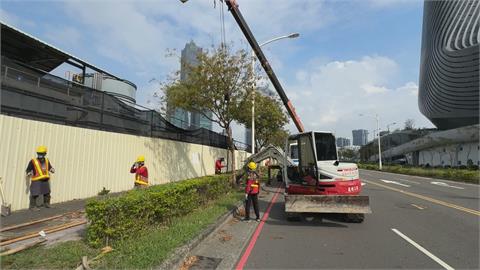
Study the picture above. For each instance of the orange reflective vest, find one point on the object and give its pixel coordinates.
(140, 178)
(40, 173)
(253, 186)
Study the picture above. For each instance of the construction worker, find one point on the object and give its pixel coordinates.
(39, 170)
(219, 165)
(141, 172)
(252, 189)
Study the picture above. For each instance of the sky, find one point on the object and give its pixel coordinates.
(352, 56)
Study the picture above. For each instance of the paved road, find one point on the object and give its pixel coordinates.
(410, 214)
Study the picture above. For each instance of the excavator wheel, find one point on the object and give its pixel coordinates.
(354, 218)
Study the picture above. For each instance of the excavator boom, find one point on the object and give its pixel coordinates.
(233, 8)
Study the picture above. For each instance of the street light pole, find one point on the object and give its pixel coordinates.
(293, 35)
(379, 144)
(377, 119)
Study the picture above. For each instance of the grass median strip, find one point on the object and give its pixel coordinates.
(146, 250)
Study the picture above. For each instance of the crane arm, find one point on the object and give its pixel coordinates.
(233, 8)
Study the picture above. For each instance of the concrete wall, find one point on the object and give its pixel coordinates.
(450, 155)
(87, 160)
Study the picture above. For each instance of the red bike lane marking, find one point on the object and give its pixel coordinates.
(254, 238)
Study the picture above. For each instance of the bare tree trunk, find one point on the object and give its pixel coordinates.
(232, 152)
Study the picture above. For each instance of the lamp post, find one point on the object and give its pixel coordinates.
(379, 143)
(293, 35)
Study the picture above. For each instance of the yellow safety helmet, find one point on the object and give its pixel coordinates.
(42, 149)
(141, 159)
(252, 165)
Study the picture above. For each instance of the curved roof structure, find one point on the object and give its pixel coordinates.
(449, 67)
(20, 46)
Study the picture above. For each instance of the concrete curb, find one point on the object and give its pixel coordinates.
(175, 260)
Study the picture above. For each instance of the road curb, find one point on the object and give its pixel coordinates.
(179, 254)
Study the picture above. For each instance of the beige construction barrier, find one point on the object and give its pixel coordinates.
(87, 160)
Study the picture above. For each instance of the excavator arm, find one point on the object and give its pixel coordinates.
(233, 8)
(271, 152)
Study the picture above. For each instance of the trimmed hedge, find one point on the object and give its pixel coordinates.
(116, 218)
(461, 175)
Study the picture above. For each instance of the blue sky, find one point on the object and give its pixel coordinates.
(351, 57)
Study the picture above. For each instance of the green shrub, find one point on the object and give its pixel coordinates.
(116, 218)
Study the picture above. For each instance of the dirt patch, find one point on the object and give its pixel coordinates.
(189, 262)
(224, 236)
(233, 221)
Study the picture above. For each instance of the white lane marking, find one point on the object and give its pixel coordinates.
(426, 252)
(421, 177)
(443, 184)
(418, 207)
(429, 178)
(363, 184)
(394, 182)
(409, 181)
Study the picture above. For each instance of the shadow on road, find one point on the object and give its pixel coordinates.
(278, 217)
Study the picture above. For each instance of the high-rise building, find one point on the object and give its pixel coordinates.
(343, 142)
(180, 117)
(448, 92)
(360, 137)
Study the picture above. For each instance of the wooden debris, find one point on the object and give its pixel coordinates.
(85, 265)
(53, 229)
(24, 247)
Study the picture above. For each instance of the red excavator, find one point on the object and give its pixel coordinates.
(315, 180)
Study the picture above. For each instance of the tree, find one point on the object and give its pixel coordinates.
(409, 124)
(347, 154)
(269, 119)
(218, 84)
(279, 137)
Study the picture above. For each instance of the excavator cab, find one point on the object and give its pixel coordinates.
(301, 177)
(319, 183)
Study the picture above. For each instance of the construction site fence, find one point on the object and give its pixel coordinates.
(87, 160)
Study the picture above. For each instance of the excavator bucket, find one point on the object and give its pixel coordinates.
(327, 204)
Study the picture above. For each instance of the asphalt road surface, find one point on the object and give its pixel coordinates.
(417, 223)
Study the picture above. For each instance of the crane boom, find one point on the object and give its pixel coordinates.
(233, 8)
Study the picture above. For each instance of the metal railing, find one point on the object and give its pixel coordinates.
(33, 94)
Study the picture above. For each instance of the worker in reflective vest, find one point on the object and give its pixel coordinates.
(39, 170)
(141, 173)
(251, 191)
(219, 165)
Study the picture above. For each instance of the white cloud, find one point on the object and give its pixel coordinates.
(372, 89)
(410, 87)
(391, 3)
(341, 90)
(63, 36)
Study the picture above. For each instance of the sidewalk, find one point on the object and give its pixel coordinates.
(22, 216)
(222, 248)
